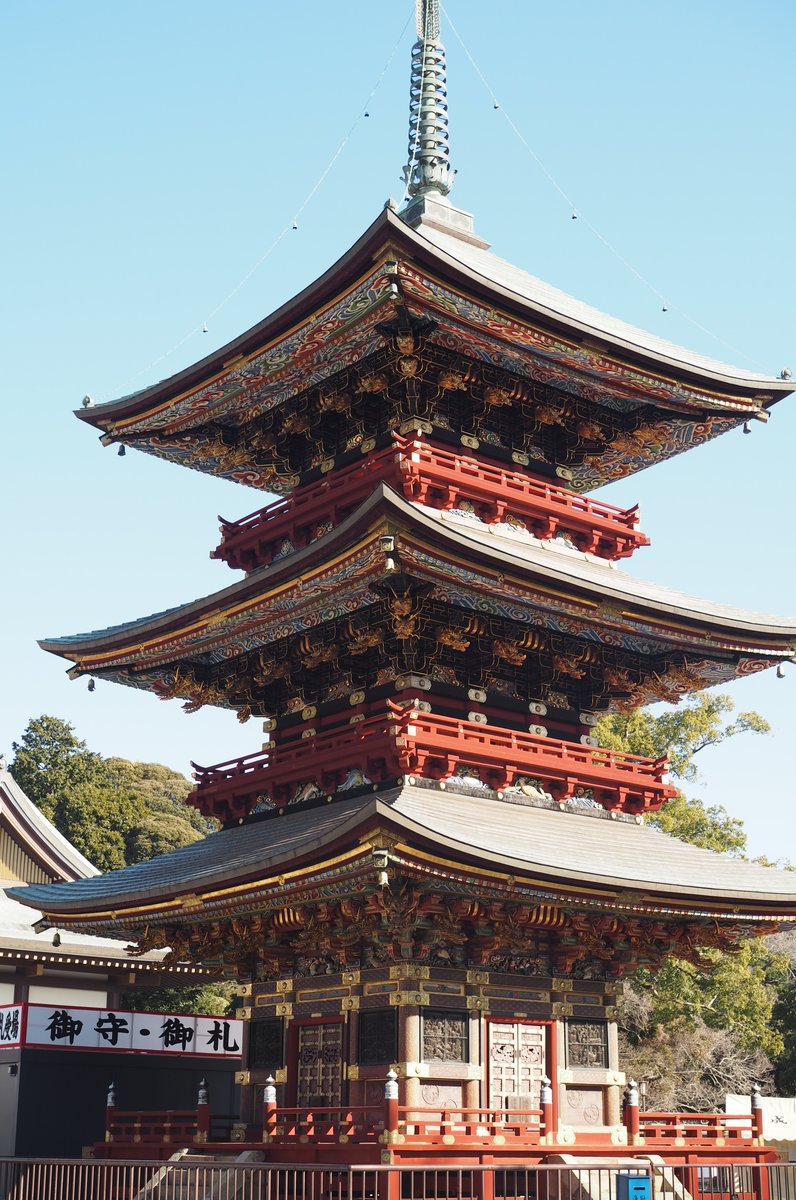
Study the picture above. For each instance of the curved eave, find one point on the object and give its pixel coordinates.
(540, 303)
(464, 267)
(254, 340)
(577, 858)
(612, 595)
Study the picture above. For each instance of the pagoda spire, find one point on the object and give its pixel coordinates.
(428, 169)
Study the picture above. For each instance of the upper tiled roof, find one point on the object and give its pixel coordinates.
(481, 306)
(497, 272)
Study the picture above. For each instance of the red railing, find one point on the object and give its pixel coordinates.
(175, 1127)
(440, 478)
(482, 1125)
(423, 1126)
(406, 742)
(230, 789)
(437, 745)
(695, 1127)
(357, 1123)
(256, 539)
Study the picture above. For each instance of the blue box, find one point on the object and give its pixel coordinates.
(633, 1187)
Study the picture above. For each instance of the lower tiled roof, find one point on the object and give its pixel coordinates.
(572, 848)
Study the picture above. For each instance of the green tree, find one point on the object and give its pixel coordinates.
(98, 820)
(167, 822)
(695, 1031)
(49, 759)
(735, 992)
(217, 999)
(679, 733)
(710, 827)
(113, 811)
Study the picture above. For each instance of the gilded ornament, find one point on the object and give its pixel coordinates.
(510, 652)
(590, 431)
(339, 402)
(567, 666)
(452, 638)
(360, 641)
(496, 397)
(296, 423)
(632, 441)
(375, 382)
(315, 658)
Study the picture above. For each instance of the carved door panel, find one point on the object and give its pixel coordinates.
(516, 1065)
(319, 1070)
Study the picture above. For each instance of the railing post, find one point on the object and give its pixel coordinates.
(759, 1169)
(202, 1114)
(110, 1109)
(757, 1111)
(631, 1113)
(546, 1100)
(391, 1107)
(269, 1109)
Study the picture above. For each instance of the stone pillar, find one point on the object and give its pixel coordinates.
(410, 1049)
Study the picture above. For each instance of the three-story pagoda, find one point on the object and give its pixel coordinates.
(431, 866)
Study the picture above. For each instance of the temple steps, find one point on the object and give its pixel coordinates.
(226, 1182)
(595, 1179)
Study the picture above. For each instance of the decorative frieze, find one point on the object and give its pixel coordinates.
(445, 1036)
(587, 1044)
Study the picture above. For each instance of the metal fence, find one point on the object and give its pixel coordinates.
(186, 1178)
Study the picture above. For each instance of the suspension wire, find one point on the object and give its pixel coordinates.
(293, 224)
(577, 212)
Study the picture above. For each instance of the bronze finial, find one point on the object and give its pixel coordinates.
(428, 169)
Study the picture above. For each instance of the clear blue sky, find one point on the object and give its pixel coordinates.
(153, 153)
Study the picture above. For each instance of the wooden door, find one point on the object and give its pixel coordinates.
(319, 1068)
(516, 1065)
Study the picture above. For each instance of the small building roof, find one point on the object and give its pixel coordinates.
(36, 838)
(33, 852)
